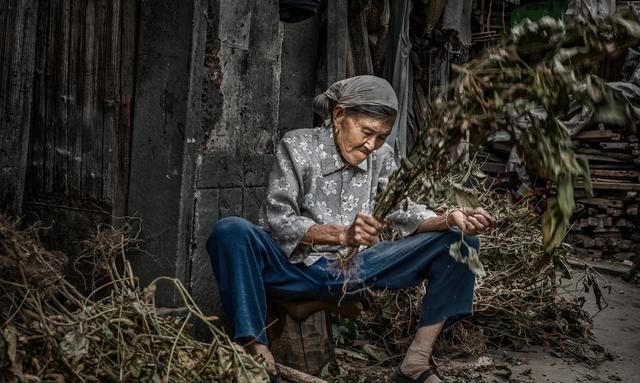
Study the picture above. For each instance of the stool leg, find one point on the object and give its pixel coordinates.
(306, 346)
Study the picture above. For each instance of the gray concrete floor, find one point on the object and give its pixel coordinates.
(617, 328)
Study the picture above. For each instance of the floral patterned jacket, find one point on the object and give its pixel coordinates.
(311, 184)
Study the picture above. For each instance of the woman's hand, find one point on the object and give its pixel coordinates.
(471, 221)
(363, 231)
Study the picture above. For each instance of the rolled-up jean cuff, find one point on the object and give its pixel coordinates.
(449, 319)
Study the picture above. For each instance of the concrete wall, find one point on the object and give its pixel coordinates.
(209, 102)
(260, 80)
(240, 104)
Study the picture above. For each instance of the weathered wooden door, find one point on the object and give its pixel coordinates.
(81, 113)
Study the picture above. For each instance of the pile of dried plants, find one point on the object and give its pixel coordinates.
(518, 303)
(51, 332)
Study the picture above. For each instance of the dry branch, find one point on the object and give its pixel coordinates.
(51, 332)
(517, 304)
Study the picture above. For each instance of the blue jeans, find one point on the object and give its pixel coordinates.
(248, 264)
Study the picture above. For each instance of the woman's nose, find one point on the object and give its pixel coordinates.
(370, 145)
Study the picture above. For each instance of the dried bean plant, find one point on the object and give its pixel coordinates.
(544, 66)
(53, 333)
(516, 304)
(527, 86)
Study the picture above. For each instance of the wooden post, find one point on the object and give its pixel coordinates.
(17, 60)
(359, 43)
(337, 19)
(307, 345)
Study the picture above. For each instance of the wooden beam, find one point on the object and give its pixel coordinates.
(614, 186)
(597, 135)
(122, 153)
(337, 19)
(17, 60)
(359, 39)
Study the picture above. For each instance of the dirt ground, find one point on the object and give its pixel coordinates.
(617, 328)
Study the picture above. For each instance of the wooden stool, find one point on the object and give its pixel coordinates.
(300, 332)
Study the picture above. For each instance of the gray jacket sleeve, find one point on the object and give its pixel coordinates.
(408, 216)
(282, 216)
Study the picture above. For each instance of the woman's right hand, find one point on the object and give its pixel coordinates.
(363, 231)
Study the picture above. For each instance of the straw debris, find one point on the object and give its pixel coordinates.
(51, 332)
(516, 304)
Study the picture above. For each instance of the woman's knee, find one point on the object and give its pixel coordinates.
(229, 228)
(448, 238)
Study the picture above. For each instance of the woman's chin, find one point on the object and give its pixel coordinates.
(356, 160)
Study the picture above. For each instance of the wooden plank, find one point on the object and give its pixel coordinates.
(615, 145)
(75, 89)
(35, 175)
(601, 202)
(100, 62)
(612, 186)
(351, 69)
(91, 136)
(5, 16)
(8, 35)
(110, 102)
(593, 157)
(61, 100)
(337, 20)
(359, 42)
(597, 135)
(4, 19)
(50, 123)
(30, 22)
(601, 153)
(17, 54)
(383, 9)
(615, 173)
(613, 166)
(125, 121)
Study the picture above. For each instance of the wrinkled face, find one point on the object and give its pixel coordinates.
(358, 135)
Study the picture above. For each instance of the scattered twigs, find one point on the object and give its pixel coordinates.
(516, 304)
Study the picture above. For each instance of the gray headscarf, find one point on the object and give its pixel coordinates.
(359, 90)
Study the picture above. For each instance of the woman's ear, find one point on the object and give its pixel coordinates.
(339, 114)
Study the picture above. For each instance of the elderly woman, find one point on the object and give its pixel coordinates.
(319, 199)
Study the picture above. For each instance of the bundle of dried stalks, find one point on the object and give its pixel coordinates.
(516, 304)
(526, 86)
(51, 332)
